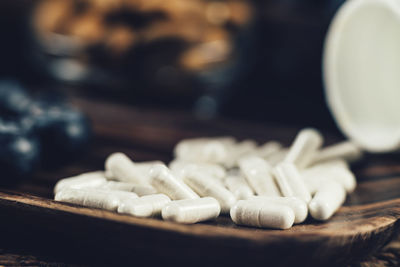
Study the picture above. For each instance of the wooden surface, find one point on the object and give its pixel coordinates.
(59, 232)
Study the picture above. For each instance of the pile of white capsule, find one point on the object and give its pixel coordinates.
(262, 186)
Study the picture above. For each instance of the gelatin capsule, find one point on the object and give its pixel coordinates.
(298, 206)
(140, 190)
(346, 150)
(239, 187)
(206, 186)
(336, 170)
(145, 166)
(219, 150)
(191, 210)
(268, 149)
(240, 150)
(165, 182)
(94, 198)
(260, 214)
(124, 170)
(327, 200)
(183, 167)
(304, 148)
(203, 150)
(259, 176)
(227, 140)
(290, 182)
(146, 206)
(109, 175)
(90, 179)
(277, 157)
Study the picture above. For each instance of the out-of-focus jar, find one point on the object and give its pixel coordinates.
(163, 48)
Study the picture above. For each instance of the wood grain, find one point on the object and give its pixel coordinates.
(74, 234)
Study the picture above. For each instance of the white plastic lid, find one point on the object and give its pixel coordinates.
(361, 68)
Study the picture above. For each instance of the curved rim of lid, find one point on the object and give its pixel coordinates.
(331, 86)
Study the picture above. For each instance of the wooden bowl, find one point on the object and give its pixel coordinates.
(31, 220)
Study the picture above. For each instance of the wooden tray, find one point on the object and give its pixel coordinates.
(31, 220)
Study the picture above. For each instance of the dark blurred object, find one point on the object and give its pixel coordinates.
(32, 130)
(63, 131)
(19, 153)
(160, 49)
(14, 99)
(264, 66)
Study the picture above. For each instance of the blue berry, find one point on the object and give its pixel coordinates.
(19, 154)
(63, 131)
(14, 100)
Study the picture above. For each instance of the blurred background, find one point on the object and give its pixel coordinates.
(248, 60)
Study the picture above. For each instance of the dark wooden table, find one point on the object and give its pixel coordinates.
(32, 227)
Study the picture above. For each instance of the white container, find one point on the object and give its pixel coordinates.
(361, 68)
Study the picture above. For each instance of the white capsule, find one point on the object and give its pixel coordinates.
(277, 157)
(226, 140)
(123, 169)
(298, 206)
(245, 147)
(90, 179)
(119, 186)
(206, 186)
(181, 168)
(203, 150)
(165, 182)
(146, 206)
(109, 175)
(145, 166)
(140, 190)
(122, 195)
(260, 214)
(239, 187)
(268, 149)
(336, 170)
(191, 210)
(259, 176)
(334, 163)
(345, 177)
(290, 182)
(313, 182)
(327, 200)
(317, 179)
(304, 148)
(346, 150)
(241, 149)
(94, 198)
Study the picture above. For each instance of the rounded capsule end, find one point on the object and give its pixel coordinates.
(173, 213)
(301, 211)
(234, 212)
(320, 210)
(288, 218)
(157, 169)
(113, 158)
